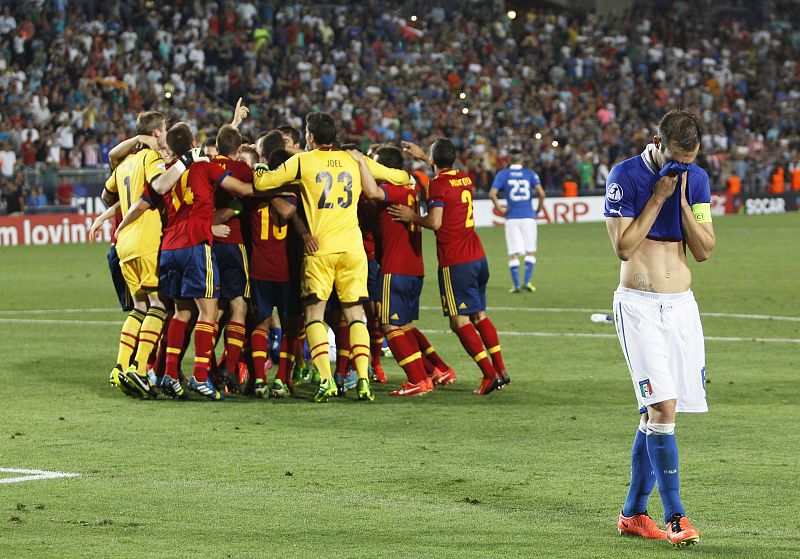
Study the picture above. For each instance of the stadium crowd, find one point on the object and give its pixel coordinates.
(71, 72)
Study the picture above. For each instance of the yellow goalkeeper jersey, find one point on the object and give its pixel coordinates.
(130, 180)
(331, 187)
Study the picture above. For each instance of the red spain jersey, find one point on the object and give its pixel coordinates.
(243, 172)
(368, 222)
(456, 239)
(401, 243)
(190, 206)
(268, 260)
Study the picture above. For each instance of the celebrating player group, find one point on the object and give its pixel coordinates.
(264, 244)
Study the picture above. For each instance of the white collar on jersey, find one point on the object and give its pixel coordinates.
(515, 166)
(647, 157)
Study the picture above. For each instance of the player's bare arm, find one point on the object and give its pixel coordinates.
(239, 113)
(101, 219)
(541, 194)
(222, 215)
(164, 182)
(235, 186)
(496, 202)
(120, 151)
(699, 237)
(136, 210)
(368, 184)
(628, 233)
(433, 220)
(413, 150)
(285, 209)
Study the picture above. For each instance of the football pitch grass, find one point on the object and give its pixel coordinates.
(539, 469)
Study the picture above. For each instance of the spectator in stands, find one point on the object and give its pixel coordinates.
(36, 198)
(8, 161)
(13, 200)
(64, 192)
(576, 78)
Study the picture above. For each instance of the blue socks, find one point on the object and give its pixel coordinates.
(530, 262)
(663, 452)
(513, 265)
(642, 476)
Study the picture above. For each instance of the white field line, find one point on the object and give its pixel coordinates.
(510, 334)
(31, 475)
(608, 311)
(493, 309)
(613, 336)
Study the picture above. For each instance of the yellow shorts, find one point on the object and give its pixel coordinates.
(141, 273)
(346, 270)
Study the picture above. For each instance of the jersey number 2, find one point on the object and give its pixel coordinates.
(466, 197)
(345, 179)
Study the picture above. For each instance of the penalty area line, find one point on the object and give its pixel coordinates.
(32, 475)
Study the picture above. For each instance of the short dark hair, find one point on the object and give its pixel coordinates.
(277, 158)
(149, 121)
(291, 131)
(229, 140)
(210, 142)
(251, 154)
(680, 128)
(180, 138)
(391, 156)
(322, 127)
(444, 153)
(271, 141)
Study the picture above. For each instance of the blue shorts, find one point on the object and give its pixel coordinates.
(120, 286)
(400, 298)
(189, 273)
(233, 266)
(374, 285)
(463, 287)
(267, 295)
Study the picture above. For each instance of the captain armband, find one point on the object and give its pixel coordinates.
(702, 212)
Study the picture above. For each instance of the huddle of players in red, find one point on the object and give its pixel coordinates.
(221, 242)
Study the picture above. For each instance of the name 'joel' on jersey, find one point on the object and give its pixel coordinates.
(630, 185)
(331, 187)
(518, 184)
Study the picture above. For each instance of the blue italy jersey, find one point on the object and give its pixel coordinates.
(630, 185)
(518, 185)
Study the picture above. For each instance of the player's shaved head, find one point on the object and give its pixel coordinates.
(229, 140)
(322, 127)
(390, 156)
(443, 153)
(680, 128)
(180, 138)
(150, 121)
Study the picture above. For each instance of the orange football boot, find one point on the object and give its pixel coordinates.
(681, 532)
(640, 525)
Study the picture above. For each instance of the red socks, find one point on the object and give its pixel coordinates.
(407, 354)
(259, 345)
(342, 347)
(286, 362)
(176, 333)
(471, 341)
(234, 340)
(432, 358)
(203, 344)
(375, 341)
(492, 342)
